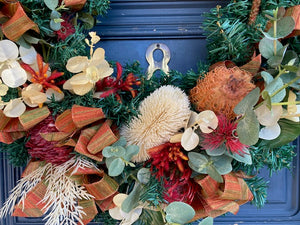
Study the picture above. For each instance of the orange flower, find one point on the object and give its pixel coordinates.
(221, 90)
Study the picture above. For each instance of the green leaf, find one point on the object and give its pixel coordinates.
(23, 42)
(244, 158)
(207, 221)
(144, 175)
(54, 26)
(87, 19)
(289, 132)
(179, 212)
(214, 174)
(116, 167)
(222, 164)
(266, 47)
(197, 162)
(248, 102)
(131, 151)
(276, 60)
(293, 69)
(110, 151)
(121, 142)
(290, 55)
(285, 26)
(31, 39)
(132, 201)
(272, 86)
(55, 15)
(287, 77)
(216, 152)
(248, 129)
(51, 4)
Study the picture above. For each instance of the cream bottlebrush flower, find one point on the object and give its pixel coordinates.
(12, 74)
(162, 114)
(126, 218)
(89, 70)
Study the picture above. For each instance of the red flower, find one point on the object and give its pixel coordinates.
(112, 85)
(224, 134)
(169, 162)
(66, 29)
(40, 76)
(48, 151)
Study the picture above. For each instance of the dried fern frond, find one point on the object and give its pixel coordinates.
(24, 185)
(63, 193)
(162, 114)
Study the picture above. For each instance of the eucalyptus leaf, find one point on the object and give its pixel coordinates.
(150, 217)
(55, 15)
(265, 95)
(87, 19)
(55, 26)
(121, 142)
(197, 162)
(179, 212)
(132, 201)
(22, 42)
(285, 26)
(51, 4)
(290, 55)
(276, 60)
(266, 47)
(131, 151)
(268, 78)
(207, 221)
(272, 85)
(31, 39)
(248, 128)
(214, 174)
(216, 152)
(248, 102)
(144, 175)
(222, 164)
(116, 167)
(287, 77)
(243, 158)
(108, 161)
(110, 151)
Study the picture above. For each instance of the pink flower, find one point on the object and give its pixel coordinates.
(225, 134)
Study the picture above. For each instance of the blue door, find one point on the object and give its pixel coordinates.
(130, 27)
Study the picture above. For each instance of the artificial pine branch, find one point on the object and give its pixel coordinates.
(258, 187)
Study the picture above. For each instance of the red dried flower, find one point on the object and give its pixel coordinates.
(112, 85)
(224, 134)
(41, 77)
(48, 151)
(67, 28)
(169, 162)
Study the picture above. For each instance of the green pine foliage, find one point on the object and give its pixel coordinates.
(16, 152)
(229, 37)
(96, 7)
(274, 159)
(150, 217)
(104, 218)
(153, 192)
(258, 187)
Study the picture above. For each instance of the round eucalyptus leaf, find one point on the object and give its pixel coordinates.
(179, 212)
(51, 4)
(207, 221)
(214, 174)
(266, 47)
(116, 167)
(131, 151)
(55, 26)
(248, 102)
(197, 162)
(285, 26)
(121, 142)
(222, 164)
(110, 151)
(243, 158)
(216, 152)
(144, 175)
(248, 128)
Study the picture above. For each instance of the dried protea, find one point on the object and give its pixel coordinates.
(48, 151)
(162, 114)
(221, 90)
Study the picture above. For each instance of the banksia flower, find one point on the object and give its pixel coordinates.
(162, 114)
(48, 151)
(221, 90)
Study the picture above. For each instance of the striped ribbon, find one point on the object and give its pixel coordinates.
(12, 129)
(219, 198)
(18, 22)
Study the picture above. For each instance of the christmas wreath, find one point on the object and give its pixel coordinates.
(102, 142)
